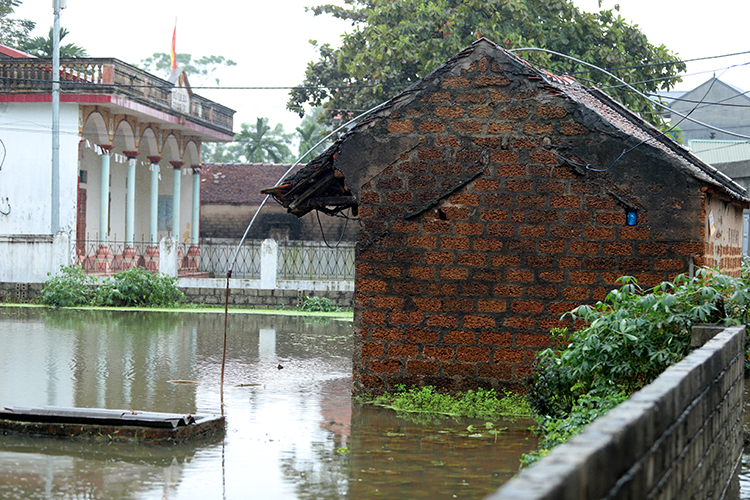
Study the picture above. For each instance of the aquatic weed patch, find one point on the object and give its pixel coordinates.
(481, 403)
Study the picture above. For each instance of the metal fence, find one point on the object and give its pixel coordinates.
(297, 260)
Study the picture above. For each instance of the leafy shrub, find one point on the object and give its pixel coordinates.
(318, 304)
(72, 287)
(139, 287)
(633, 336)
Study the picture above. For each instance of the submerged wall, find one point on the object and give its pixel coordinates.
(680, 437)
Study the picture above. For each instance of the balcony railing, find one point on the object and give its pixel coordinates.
(109, 76)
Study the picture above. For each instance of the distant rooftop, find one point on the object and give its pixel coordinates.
(715, 152)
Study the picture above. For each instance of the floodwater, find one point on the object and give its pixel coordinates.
(293, 430)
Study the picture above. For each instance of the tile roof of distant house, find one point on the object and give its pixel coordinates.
(239, 183)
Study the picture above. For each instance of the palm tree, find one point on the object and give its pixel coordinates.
(310, 132)
(261, 143)
(40, 46)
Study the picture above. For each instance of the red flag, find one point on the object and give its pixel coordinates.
(173, 54)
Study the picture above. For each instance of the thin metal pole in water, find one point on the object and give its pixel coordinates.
(236, 253)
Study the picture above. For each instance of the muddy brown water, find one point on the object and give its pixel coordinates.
(292, 432)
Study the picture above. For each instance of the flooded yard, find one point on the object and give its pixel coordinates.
(293, 429)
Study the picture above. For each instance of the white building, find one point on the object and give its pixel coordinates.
(129, 166)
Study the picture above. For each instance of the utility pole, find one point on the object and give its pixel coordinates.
(55, 221)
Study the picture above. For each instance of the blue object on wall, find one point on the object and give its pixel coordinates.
(632, 218)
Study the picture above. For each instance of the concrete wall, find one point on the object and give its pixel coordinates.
(680, 437)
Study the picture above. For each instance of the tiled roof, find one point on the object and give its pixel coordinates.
(239, 183)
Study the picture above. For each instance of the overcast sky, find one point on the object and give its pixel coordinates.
(269, 39)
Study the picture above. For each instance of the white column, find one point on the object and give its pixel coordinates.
(104, 195)
(176, 199)
(195, 223)
(130, 200)
(154, 202)
(269, 252)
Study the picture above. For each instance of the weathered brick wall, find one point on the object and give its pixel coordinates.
(476, 241)
(679, 438)
(722, 223)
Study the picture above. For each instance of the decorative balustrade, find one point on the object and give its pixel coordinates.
(107, 76)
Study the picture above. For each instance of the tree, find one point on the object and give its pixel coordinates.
(204, 66)
(40, 46)
(13, 32)
(262, 143)
(396, 43)
(310, 132)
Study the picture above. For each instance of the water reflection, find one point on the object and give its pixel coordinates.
(292, 432)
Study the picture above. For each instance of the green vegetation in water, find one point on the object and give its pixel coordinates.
(481, 403)
(629, 339)
(133, 287)
(318, 304)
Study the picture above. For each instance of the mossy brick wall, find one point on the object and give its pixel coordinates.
(679, 438)
(475, 242)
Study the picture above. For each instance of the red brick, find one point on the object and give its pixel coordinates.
(420, 335)
(447, 273)
(373, 318)
(473, 354)
(584, 247)
(488, 245)
(460, 305)
(442, 321)
(472, 259)
(542, 291)
(470, 288)
(403, 350)
(404, 256)
(617, 248)
(553, 246)
(491, 81)
(475, 96)
(499, 128)
(468, 127)
(565, 232)
(582, 277)
(508, 291)
(437, 289)
(560, 308)
(372, 382)
(500, 230)
(576, 293)
(373, 350)
(570, 201)
(532, 231)
(689, 248)
(537, 128)
(431, 127)
(437, 97)
(406, 318)
(495, 338)
(449, 111)
(651, 248)
(385, 366)
(514, 113)
(509, 356)
(387, 302)
(631, 264)
(459, 337)
(442, 352)
(437, 226)
(389, 334)
(456, 213)
(519, 185)
(494, 215)
(543, 157)
(370, 197)
(635, 233)
(459, 82)
(540, 261)
(491, 306)
(405, 227)
(519, 276)
(486, 185)
(669, 265)
(438, 258)
(527, 306)
(407, 288)
(600, 263)
(649, 279)
(505, 156)
(421, 273)
(405, 126)
(549, 111)
(520, 323)
(369, 285)
(468, 199)
(479, 322)
(568, 262)
(543, 215)
(468, 228)
(611, 218)
(576, 217)
(532, 340)
(599, 233)
(497, 200)
(551, 276)
(573, 128)
(428, 304)
(415, 367)
(600, 203)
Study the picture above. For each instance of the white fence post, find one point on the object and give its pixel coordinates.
(168, 256)
(269, 263)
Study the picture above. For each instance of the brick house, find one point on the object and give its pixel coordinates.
(230, 195)
(494, 197)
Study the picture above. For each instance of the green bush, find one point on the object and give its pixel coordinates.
(139, 287)
(633, 336)
(72, 287)
(134, 287)
(318, 304)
